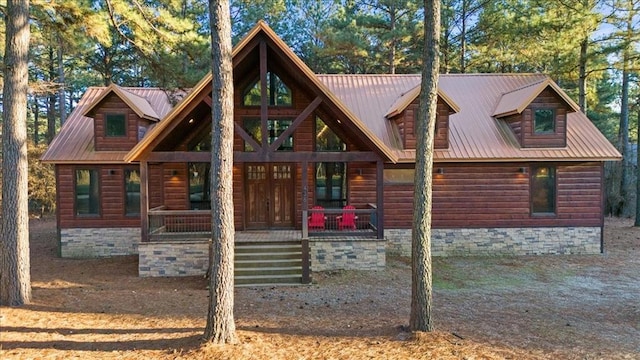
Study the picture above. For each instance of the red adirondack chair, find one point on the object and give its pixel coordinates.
(348, 219)
(317, 218)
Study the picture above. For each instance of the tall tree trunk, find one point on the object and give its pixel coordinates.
(15, 276)
(61, 83)
(392, 50)
(623, 136)
(51, 102)
(637, 221)
(582, 76)
(36, 120)
(463, 37)
(421, 281)
(221, 327)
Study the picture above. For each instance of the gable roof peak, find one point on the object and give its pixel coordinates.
(138, 104)
(411, 95)
(516, 100)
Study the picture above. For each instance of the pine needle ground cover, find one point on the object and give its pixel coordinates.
(544, 307)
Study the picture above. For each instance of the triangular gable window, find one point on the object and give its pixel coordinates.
(279, 94)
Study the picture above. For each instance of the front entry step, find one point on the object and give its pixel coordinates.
(268, 263)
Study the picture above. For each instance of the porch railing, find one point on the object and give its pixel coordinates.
(169, 224)
(191, 224)
(337, 222)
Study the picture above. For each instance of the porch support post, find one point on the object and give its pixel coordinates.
(144, 201)
(306, 266)
(305, 199)
(380, 198)
(264, 104)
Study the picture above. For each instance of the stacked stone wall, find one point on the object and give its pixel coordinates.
(183, 258)
(501, 241)
(98, 242)
(347, 254)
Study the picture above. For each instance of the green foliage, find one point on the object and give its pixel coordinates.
(42, 181)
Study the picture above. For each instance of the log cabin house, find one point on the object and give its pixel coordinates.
(518, 169)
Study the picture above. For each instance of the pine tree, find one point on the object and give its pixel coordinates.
(15, 277)
(221, 327)
(421, 284)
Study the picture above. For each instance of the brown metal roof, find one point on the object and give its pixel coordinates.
(410, 96)
(74, 143)
(515, 101)
(475, 135)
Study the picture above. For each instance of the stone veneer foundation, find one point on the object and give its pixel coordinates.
(189, 258)
(502, 241)
(347, 254)
(98, 242)
(173, 258)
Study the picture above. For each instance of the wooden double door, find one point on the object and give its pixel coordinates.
(270, 195)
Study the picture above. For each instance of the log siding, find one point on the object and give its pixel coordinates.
(112, 203)
(497, 195)
(113, 105)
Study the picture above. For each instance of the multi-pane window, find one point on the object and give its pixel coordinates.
(115, 125)
(543, 190)
(87, 192)
(326, 139)
(275, 128)
(132, 192)
(331, 184)
(199, 192)
(331, 177)
(277, 92)
(544, 121)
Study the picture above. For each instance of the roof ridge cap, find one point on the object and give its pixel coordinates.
(536, 83)
(370, 75)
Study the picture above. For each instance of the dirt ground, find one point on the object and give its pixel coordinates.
(549, 307)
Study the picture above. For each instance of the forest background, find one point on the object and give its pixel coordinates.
(591, 48)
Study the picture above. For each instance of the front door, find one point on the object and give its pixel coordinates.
(269, 196)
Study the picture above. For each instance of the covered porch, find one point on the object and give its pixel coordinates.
(179, 240)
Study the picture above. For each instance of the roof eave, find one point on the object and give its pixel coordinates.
(141, 147)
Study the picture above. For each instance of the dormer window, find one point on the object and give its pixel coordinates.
(544, 121)
(277, 92)
(115, 125)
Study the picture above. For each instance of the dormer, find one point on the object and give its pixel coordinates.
(120, 119)
(537, 114)
(404, 112)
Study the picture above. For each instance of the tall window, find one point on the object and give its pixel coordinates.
(331, 177)
(275, 128)
(544, 121)
(277, 92)
(115, 125)
(132, 192)
(331, 184)
(543, 190)
(87, 192)
(199, 192)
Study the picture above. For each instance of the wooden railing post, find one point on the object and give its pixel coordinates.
(144, 201)
(380, 199)
(305, 224)
(306, 262)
